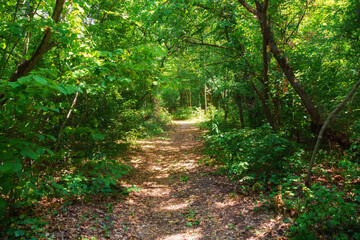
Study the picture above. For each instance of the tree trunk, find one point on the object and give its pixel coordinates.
(264, 103)
(284, 63)
(335, 136)
(205, 99)
(190, 101)
(238, 102)
(182, 101)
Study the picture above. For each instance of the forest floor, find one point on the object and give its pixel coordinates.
(176, 197)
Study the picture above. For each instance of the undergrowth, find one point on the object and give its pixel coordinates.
(90, 166)
(264, 163)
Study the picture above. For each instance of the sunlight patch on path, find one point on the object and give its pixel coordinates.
(191, 234)
(173, 206)
(184, 122)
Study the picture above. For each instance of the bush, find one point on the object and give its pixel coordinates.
(327, 213)
(258, 154)
(182, 113)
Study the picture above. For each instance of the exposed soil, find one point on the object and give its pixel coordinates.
(177, 197)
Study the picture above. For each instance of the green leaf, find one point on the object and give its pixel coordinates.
(124, 80)
(24, 80)
(16, 167)
(55, 109)
(3, 203)
(72, 89)
(41, 107)
(40, 80)
(13, 84)
(51, 137)
(2, 45)
(19, 233)
(5, 167)
(62, 89)
(98, 136)
(105, 53)
(41, 137)
(29, 153)
(49, 151)
(40, 151)
(119, 51)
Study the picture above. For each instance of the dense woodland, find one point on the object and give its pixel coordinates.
(80, 80)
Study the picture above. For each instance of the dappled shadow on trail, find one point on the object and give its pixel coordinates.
(182, 199)
(179, 198)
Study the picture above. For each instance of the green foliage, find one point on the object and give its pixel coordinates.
(25, 227)
(327, 213)
(183, 114)
(184, 178)
(70, 115)
(253, 155)
(106, 77)
(354, 150)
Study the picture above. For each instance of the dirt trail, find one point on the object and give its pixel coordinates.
(178, 198)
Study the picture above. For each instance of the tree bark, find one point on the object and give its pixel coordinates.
(205, 99)
(190, 101)
(238, 102)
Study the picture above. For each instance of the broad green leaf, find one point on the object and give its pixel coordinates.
(71, 89)
(40, 80)
(62, 89)
(55, 110)
(29, 153)
(40, 151)
(3, 203)
(24, 80)
(13, 84)
(119, 51)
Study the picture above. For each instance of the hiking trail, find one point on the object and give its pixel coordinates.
(175, 197)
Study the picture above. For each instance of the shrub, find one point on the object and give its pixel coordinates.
(182, 113)
(327, 213)
(254, 154)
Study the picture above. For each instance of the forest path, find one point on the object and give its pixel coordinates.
(177, 198)
(182, 199)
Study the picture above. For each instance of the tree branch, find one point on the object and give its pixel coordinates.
(206, 44)
(247, 6)
(65, 121)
